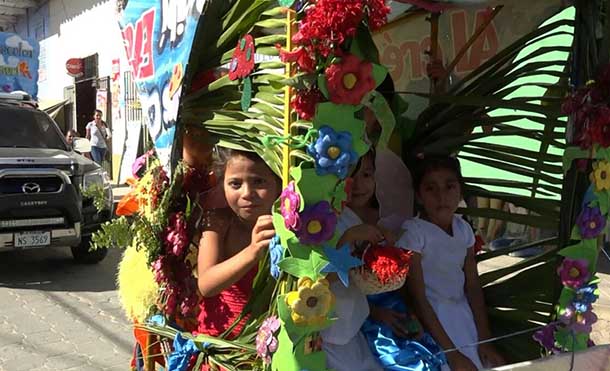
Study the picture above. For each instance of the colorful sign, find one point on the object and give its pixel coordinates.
(75, 67)
(18, 64)
(158, 36)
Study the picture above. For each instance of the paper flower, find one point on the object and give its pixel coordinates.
(290, 202)
(332, 152)
(585, 296)
(579, 322)
(276, 254)
(175, 235)
(266, 342)
(546, 337)
(388, 263)
(242, 62)
(600, 176)
(349, 80)
(317, 224)
(573, 272)
(305, 102)
(301, 56)
(590, 222)
(311, 303)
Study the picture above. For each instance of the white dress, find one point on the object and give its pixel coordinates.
(345, 346)
(442, 260)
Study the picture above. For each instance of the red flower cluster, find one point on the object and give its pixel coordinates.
(159, 186)
(305, 101)
(591, 112)
(175, 236)
(388, 263)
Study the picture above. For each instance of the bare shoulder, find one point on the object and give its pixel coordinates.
(217, 220)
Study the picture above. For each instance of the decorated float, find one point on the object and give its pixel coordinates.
(294, 81)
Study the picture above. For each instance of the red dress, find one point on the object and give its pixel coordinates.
(220, 311)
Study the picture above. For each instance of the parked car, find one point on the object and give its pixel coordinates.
(43, 182)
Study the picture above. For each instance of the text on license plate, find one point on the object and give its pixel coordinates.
(29, 239)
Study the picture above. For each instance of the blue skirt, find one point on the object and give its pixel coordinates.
(396, 353)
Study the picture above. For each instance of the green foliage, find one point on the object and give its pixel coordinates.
(116, 233)
(96, 192)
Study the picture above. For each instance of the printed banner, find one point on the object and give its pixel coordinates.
(404, 44)
(158, 37)
(18, 64)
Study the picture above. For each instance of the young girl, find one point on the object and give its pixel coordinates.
(443, 278)
(234, 239)
(346, 347)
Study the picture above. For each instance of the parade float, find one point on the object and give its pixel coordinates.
(291, 81)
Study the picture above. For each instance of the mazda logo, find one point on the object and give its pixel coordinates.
(30, 188)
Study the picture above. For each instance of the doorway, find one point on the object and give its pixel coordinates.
(85, 104)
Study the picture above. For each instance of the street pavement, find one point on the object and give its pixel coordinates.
(59, 315)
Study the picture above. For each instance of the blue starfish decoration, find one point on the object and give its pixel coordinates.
(340, 262)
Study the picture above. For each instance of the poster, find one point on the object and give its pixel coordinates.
(101, 101)
(18, 64)
(158, 36)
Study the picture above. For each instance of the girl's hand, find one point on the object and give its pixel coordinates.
(262, 233)
(389, 236)
(365, 232)
(397, 321)
(490, 356)
(459, 362)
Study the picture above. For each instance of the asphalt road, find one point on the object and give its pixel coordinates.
(59, 315)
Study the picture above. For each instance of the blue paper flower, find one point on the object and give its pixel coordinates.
(276, 254)
(184, 349)
(332, 152)
(340, 262)
(585, 296)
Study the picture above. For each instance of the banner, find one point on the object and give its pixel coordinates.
(18, 64)
(158, 37)
(403, 44)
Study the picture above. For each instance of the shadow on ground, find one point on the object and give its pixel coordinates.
(54, 269)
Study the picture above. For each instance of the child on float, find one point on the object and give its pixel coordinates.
(443, 279)
(346, 347)
(234, 238)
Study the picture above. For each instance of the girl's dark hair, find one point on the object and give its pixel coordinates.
(369, 154)
(222, 156)
(435, 162)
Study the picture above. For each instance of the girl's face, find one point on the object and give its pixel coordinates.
(363, 187)
(250, 188)
(440, 193)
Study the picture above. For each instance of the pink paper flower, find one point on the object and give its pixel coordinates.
(290, 202)
(266, 342)
(573, 272)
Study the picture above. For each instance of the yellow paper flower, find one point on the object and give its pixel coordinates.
(601, 175)
(311, 303)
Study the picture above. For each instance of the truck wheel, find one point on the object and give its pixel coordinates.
(82, 254)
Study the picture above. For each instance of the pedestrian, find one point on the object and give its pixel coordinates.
(98, 134)
(70, 135)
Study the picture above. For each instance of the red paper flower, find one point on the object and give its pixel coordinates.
(350, 80)
(242, 62)
(388, 263)
(600, 127)
(378, 13)
(300, 56)
(305, 101)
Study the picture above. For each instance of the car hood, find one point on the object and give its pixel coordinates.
(37, 157)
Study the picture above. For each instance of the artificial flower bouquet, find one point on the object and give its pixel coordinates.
(385, 268)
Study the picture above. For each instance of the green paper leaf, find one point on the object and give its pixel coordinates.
(585, 249)
(379, 73)
(570, 342)
(602, 153)
(278, 223)
(322, 86)
(315, 188)
(339, 196)
(246, 95)
(363, 46)
(565, 299)
(297, 174)
(304, 267)
(573, 153)
(342, 117)
(283, 358)
(575, 235)
(603, 202)
(384, 115)
(286, 3)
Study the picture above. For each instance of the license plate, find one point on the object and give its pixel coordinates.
(30, 239)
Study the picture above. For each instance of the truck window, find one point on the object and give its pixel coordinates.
(27, 128)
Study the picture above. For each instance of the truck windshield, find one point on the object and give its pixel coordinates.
(28, 128)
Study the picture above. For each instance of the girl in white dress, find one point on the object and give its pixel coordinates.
(443, 278)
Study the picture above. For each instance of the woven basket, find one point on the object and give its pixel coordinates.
(369, 284)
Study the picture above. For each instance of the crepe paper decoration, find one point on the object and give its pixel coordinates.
(584, 297)
(573, 272)
(276, 254)
(305, 101)
(342, 194)
(242, 62)
(266, 342)
(290, 205)
(309, 263)
(546, 338)
(385, 118)
(591, 222)
(340, 262)
(349, 80)
(332, 152)
(343, 118)
(318, 224)
(600, 176)
(184, 349)
(311, 303)
(246, 94)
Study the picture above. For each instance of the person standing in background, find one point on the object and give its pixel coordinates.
(98, 134)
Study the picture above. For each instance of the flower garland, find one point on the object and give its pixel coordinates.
(589, 116)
